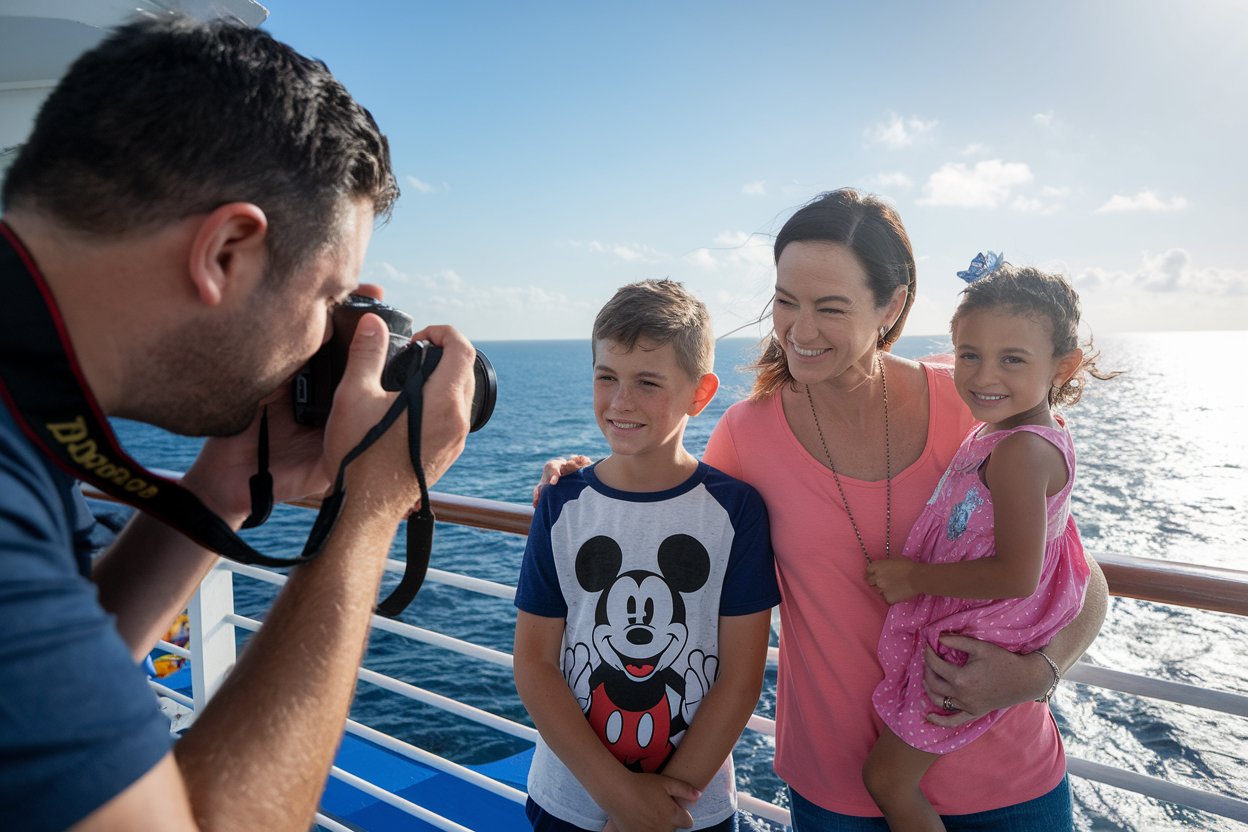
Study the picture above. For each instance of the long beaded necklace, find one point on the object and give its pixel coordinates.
(888, 471)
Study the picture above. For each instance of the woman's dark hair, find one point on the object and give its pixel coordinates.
(1023, 290)
(872, 230)
(169, 117)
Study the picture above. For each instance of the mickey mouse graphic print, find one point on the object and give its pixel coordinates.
(641, 580)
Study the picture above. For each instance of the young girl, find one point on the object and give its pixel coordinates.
(995, 554)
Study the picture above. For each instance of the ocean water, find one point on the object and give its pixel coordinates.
(1163, 474)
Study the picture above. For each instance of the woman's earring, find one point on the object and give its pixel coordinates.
(883, 331)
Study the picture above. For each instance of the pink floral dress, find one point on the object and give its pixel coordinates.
(956, 525)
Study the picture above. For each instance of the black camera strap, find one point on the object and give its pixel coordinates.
(42, 385)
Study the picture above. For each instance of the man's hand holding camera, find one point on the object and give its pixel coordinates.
(383, 475)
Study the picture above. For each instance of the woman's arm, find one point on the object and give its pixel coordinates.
(993, 677)
(725, 710)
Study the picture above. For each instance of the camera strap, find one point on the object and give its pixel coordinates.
(42, 384)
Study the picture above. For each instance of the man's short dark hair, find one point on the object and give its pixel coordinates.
(170, 117)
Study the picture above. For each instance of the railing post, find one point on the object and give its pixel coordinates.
(212, 637)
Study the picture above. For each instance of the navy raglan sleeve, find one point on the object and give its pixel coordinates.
(538, 591)
(750, 582)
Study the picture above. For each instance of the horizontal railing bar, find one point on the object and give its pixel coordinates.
(406, 806)
(1148, 579)
(332, 825)
(465, 582)
(1184, 694)
(175, 649)
(1217, 804)
(380, 622)
(476, 512)
(761, 724)
(761, 808)
(449, 705)
(432, 760)
(180, 698)
(466, 648)
(1083, 673)
(1181, 584)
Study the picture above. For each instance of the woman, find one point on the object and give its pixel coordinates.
(846, 442)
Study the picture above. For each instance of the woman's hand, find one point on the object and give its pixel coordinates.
(992, 678)
(556, 468)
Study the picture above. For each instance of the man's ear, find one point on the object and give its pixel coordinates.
(1067, 366)
(229, 251)
(707, 387)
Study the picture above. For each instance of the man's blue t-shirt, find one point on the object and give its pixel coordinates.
(78, 722)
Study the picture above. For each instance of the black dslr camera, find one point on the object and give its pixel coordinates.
(316, 382)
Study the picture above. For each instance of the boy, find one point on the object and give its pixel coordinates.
(644, 595)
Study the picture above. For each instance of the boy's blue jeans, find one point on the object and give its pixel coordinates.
(1050, 812)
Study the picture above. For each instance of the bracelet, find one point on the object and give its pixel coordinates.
(1057, 676)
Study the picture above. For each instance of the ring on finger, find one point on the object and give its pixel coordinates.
(947, 704)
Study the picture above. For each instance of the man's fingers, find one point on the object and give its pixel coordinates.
(367, 355)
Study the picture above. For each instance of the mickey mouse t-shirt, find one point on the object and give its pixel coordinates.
(641, 580)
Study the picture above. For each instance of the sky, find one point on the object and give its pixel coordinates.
(549, 153)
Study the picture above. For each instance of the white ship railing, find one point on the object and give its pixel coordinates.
(212, 648)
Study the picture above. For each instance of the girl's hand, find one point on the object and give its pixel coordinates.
(892, 578)
(992, 678)
(556, 468)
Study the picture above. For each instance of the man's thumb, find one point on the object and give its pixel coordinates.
(367, 355)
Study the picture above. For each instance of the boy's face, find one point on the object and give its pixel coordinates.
(642, 397)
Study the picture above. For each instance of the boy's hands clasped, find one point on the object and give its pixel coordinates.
(651, 803)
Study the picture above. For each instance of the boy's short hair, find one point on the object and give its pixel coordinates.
(665, 312)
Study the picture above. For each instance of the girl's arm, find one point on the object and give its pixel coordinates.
(1021, 472)
(725, 710)
(648, 801)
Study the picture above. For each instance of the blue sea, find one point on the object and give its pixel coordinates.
(1164, 474)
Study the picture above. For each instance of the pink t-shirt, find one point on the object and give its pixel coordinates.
(831, 619)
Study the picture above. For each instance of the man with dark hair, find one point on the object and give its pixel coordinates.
(192, 203)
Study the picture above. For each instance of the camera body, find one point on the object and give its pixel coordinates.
(315, 383)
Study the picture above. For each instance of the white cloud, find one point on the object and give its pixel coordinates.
(1143, 201)
(420, 185)
(445, 296)
(629, 253)
(973, 149)
(986, 185)
(896, 179)
(1169, 272)
(758, 188)
(899, 132)
(735, 249)
(1043, 119)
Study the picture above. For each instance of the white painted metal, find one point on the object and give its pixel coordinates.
(212, 635)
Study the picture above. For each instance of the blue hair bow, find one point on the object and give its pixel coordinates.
(984, 264)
